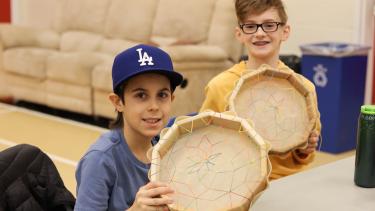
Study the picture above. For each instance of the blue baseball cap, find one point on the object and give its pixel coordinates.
(143, 59)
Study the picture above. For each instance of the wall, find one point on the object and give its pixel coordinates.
(367, 23)
(321, 20)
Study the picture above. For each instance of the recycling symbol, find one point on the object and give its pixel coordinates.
(320, 77)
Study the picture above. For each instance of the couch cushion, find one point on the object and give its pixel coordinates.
(85, 15)
(198, 66)
(26, 88)
(102, 106)
(80, 41)
(131, 19)
(102, 76)
(4, 92)
(73, 68)
(221, 32)
(70, 97)
(194, 53)
(29, 62)
(68, 90)
(115, 46)
(183, 20)
(14, 36)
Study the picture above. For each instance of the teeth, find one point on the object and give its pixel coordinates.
(152, 120)
(261, 43)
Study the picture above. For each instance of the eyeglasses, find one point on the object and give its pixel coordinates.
(251, 28)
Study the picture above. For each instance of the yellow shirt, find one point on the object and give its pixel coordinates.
(217, 95)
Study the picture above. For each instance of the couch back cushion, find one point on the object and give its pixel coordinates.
(85, 15)
(222, 29)
(186, 20)
(130, 19)
(80, 41)
(115, 46)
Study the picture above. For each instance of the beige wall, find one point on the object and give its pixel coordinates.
(367, 23)
(321, 21)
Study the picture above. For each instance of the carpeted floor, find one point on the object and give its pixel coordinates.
(65, 141)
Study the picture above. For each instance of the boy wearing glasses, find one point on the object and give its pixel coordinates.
(262, 27)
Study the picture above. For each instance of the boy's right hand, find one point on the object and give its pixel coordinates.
(148, 197)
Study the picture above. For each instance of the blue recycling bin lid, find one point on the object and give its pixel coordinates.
(334, 49)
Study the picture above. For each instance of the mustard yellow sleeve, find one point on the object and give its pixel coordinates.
(220, 87)
(210, 101)
(290, 163)
(216, 98)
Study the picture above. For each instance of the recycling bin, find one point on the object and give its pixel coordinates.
(338, 71)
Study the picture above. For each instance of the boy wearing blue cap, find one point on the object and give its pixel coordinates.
(112, 175)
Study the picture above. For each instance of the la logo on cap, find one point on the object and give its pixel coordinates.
(143, 58)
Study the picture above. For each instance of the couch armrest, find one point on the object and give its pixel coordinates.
(3, 86)
(14, 36)
(1, 52)
(1, 55)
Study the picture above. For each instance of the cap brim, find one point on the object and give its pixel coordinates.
(174, 77)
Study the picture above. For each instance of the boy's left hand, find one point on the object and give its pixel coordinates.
(312, 143)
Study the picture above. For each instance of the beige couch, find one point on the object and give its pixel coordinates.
(67, 64)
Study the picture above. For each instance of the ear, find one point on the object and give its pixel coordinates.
(172, 97)
(238, 34)
(286, 32)
(116, 102)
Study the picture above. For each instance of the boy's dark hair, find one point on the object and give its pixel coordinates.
(250, 7)
(118, 122)
(119, 91)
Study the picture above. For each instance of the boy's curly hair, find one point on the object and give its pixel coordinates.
(244, 8)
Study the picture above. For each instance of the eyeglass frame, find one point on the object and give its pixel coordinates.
(261, 26)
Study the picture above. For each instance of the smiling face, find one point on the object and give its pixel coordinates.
(261, 46)
(146, 107)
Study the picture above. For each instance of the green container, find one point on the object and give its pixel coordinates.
(364, 174)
